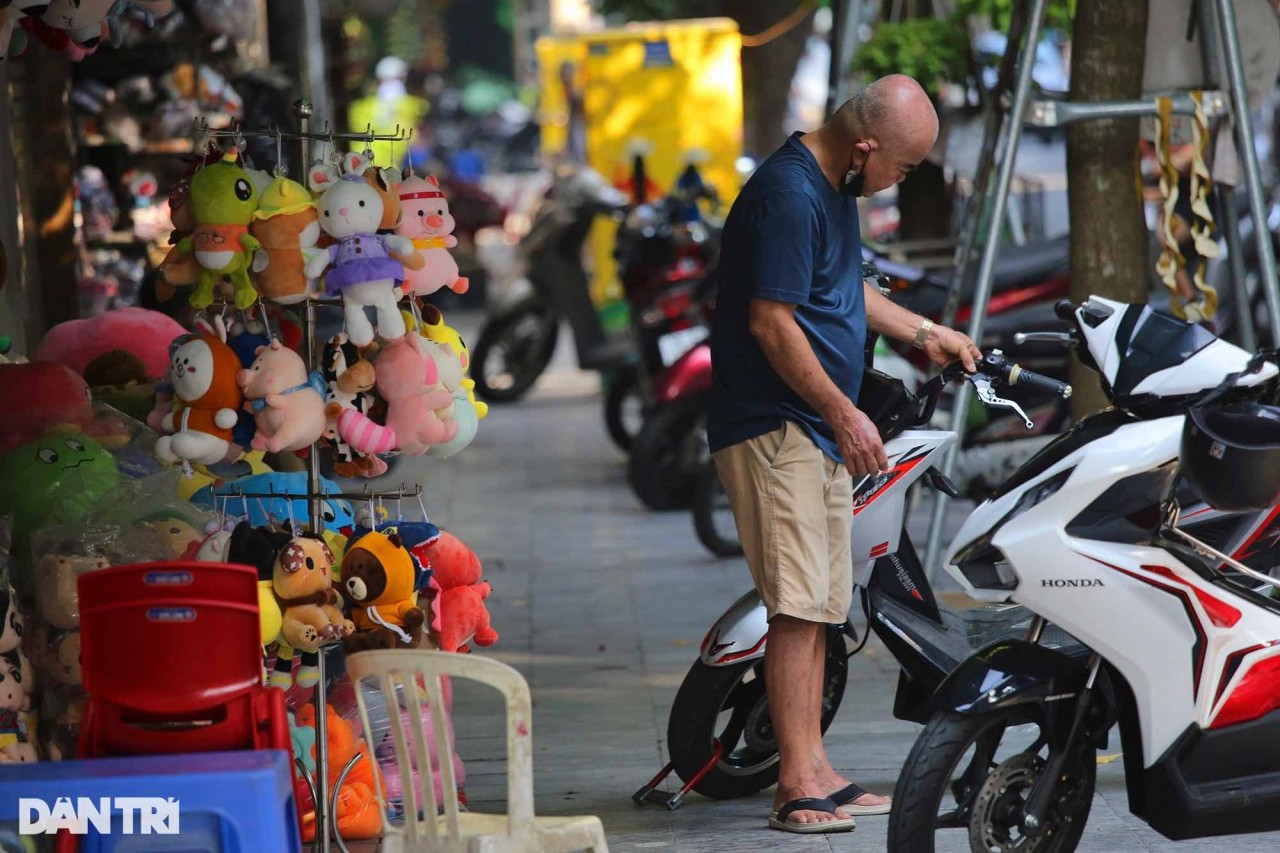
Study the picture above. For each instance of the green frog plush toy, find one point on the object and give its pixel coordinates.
(55, 479)
(224, 198)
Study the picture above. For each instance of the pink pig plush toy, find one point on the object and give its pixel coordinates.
(429, 225)
(287, 402)
(419, 407)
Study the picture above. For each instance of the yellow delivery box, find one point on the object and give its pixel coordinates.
(674, 87)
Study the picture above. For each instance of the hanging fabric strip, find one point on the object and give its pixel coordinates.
(1202, 215)
(1170, 257)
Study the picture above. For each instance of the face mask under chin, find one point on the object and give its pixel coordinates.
(852, 185)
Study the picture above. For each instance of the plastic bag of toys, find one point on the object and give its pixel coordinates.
(62, 554)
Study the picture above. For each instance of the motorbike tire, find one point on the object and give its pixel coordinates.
(530, 331)
(624, 391)
(927, 777)
(708, 499)
(660, 469)
(691, 727)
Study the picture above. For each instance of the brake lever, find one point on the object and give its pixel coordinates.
(987, 394)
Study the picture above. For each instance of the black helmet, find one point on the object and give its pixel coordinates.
(1231, 455)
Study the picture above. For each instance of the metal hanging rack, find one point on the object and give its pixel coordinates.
(363, 496)
(325, 800)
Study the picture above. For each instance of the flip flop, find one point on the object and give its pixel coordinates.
(811, 804)
(845, 796)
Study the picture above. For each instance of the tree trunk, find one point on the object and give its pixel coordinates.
(766, 72)
(1108, 231)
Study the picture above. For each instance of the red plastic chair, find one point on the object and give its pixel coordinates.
(172, 662)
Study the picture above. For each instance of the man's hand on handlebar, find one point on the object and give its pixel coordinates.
(944, 346)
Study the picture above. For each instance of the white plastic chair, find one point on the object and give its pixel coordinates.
(425, 828)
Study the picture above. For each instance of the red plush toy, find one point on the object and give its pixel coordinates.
(44, 394)
(144, 333)
(457, 605)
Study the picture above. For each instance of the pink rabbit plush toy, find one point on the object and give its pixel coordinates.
(419, 407)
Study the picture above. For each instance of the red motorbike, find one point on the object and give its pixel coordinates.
(663, 264)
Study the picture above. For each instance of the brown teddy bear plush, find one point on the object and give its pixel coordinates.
(378, 577)
(56, 575)
(309, 607)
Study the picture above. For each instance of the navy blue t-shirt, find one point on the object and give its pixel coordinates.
(790, 237)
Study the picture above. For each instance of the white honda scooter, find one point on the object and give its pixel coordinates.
(1171, 639)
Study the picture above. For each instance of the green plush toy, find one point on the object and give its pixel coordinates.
(223, 198)
(55, 479)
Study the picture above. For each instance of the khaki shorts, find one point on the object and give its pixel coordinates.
(793, 507)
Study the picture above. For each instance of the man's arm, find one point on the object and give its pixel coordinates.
(885, 317)
(942, 345)
(773, 325)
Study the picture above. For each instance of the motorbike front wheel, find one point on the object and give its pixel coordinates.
(712, 515)
(728, 703)
(513, 350)
(974, 773)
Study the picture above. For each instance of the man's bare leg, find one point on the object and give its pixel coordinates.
(830, 780)
(788, 672)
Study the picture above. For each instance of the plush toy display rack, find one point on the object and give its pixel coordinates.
(325, 802)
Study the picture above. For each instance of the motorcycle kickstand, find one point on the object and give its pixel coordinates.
(650, 793)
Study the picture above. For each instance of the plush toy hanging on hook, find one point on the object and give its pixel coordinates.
(287, 400)
(428, 223)
(223, 198)
(203, 374)
(363, 270)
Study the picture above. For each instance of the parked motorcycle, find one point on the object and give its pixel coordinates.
(1172, 640)
(719, 734)
(519, 337)
(663, 262)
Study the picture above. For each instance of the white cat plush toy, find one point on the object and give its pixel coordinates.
(360, 265)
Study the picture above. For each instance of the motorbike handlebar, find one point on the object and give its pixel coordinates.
(996, 367)
(1000, 368)
(1065, 309)
(1028, 379)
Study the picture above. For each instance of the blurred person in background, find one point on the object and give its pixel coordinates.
(389, 107)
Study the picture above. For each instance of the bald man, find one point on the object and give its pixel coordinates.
(784, 426)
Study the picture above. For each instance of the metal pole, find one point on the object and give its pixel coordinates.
(322, 757)
(994, 128)
(1240, 302)
(982, 289)
(303, 111)
(316, 90)
(1243, 120)
(839, 8)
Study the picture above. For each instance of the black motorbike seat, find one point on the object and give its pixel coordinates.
(1017, 266)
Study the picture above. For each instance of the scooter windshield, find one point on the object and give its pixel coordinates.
(1154, 342)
